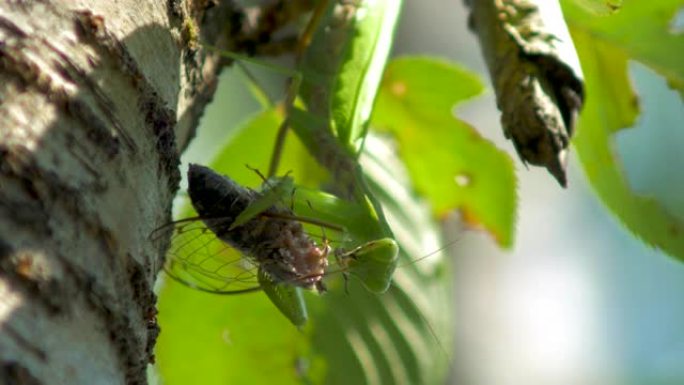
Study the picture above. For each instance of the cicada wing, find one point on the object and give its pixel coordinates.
(199, 259)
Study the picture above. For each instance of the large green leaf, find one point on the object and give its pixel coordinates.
(605, 44)
(448, 161)
(400, 337)
(640, 30)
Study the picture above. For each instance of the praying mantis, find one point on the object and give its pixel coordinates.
(398, 337)
(339, 68)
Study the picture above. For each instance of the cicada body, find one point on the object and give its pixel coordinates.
(223, 251)
(275, 242)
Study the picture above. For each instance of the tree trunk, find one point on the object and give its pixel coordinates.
(96, 98)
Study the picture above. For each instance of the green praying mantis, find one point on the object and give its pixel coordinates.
(339, 67)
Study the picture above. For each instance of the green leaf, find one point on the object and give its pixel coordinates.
(251, 147)
(600, 7)
(362, 67)
(448, 161)
(605, 44)
(212, 339)
(612, 105)
(402, 336)
(641, 31)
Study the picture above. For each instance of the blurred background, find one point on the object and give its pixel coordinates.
(577, 300)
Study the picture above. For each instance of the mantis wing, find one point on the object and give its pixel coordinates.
(274, 190)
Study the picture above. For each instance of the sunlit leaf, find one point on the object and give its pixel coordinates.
(605, 44)
(212, 339)
(641, 30)
(404, 335)
(448, 161)
(253, 145)
(607, 110)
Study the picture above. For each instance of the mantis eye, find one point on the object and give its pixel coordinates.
(374, 263)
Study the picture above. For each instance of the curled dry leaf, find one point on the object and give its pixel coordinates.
(536, 76)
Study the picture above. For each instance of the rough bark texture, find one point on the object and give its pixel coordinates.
(96, 97)
(536, 75)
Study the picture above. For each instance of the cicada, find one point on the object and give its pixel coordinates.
(243, 241)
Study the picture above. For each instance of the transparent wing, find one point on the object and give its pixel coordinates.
(202, 261)
(198, 259)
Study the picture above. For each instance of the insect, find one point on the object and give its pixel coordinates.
(338, 71)
(277, 247)
(281, 257)
(331, 115)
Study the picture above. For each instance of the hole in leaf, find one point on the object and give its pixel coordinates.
(399, 88)
(463, 180)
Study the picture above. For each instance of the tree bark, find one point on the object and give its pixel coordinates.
(96, 98)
